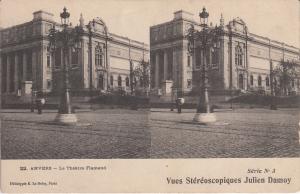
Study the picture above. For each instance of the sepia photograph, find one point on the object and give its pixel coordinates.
(149, 79)
(149, 96)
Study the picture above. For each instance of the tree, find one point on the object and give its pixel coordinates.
(142, 73)
(284, 75)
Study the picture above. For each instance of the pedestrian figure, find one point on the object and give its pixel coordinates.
(179, 103)
(40, 101)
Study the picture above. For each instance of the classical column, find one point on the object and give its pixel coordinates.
(165, 64)
(8, 73)
(34, 66)
(24, 66)
(16, 73)
(175, 70)
(1, 76)
(157, 70)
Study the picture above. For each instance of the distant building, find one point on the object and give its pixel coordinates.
(242, 60)
(26, 60)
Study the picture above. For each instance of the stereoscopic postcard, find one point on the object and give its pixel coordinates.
(173, 96)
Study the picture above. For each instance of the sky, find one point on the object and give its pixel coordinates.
(276, 19)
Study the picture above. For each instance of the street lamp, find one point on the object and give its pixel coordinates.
(206, 37)
(131, 75)
(66, 39)
(273, 104)
(90, 62)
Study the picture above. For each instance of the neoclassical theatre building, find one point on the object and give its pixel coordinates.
(26, 61)
(241, 60)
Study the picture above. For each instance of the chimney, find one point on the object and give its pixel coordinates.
(42, 15)
(181, 14)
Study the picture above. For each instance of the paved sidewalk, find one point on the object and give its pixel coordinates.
(159, 133)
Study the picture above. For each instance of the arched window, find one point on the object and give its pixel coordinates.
(267, 81)
(111, 81)
(127, 82)
(293, 83)
(251, 80)
(119, 81)
(259, 80)
(238, 56)
(98, 56)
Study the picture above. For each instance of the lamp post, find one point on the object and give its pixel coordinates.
(90, 61)
(172, 98)
(206, 37)
(273, 105)
(131, 75)
(66, 39)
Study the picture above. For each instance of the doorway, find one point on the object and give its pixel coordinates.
(241, 81)
(101, 82)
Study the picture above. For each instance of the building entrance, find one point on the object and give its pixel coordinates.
(241, 81)
(101, 82)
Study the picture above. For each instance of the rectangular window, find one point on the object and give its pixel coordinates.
(101, 60)
(48, 61)
(267, 81)
(189, 83)
(111, 81)
(189, 61)
(98, 58)
(49, 84)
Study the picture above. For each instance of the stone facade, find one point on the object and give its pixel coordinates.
(241, 60)
(26, 59)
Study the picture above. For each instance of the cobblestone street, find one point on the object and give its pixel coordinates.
(157, 134)
(113, 134)
(248, 133)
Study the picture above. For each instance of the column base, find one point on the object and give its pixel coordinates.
(67, 119)
(205, 118)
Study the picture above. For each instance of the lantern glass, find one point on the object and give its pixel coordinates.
(204, 17)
